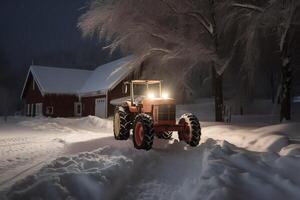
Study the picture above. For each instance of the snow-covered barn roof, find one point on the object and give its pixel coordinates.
(59, 80)
(53, 80)
(107, 76)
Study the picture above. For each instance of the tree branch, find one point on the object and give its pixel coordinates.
(249, 7)
(208, 26)
(196, 15)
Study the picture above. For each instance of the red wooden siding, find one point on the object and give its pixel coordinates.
(88, 105)
(63, 105)
(32, 96)
(117, 93)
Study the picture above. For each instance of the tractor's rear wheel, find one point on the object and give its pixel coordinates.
(164, 135)
(143, 132)
(192, 132)
(122, 123)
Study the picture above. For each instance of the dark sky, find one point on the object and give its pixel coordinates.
(35, 27)
(43, 31)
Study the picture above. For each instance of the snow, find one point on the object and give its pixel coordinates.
(173, 171)
(107, 76)
(254, 140)
(80, 159)
(296, 99)
(119, 101)
(27, 144)
(59, 80)
(90, 123)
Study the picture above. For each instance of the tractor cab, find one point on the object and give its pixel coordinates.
(146, 96)
(144, 89)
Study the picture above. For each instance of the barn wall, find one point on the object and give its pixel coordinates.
(32, 96)
(88, 105)
(63, 105)
(114, 94)
(117, 92)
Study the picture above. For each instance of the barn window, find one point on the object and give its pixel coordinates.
(49, 110)
(78, 109)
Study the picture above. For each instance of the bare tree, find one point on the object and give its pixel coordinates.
(278, 15)
(178, 33)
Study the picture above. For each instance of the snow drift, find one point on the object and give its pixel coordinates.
(210, 171)
(234, 161)
(90, 123)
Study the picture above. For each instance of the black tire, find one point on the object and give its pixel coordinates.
(167, 135)
(122, 125)
(148, 132)
(194, 129)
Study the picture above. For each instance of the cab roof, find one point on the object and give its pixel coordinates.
(145, 81)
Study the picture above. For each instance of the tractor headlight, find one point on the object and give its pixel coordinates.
(151, 95)
(165, 95)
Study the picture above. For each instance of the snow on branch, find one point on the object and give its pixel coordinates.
(206, 23)
(248, 6)
(175, 34)
(198, 16)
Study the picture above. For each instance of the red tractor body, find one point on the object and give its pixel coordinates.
(152, 113)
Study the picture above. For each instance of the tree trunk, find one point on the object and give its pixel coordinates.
(272, 82)
(285, 94)
(218, 94)
(286, 55)
(217, 79)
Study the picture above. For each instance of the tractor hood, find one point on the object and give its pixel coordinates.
(151, 103)
(158, 101)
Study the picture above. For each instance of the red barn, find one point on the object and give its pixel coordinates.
(64, 92)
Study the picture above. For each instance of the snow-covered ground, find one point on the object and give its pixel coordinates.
(79, 159)
(27, 144)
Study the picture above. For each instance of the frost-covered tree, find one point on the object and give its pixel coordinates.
(287, 33)
(182, 34)
(271, 17)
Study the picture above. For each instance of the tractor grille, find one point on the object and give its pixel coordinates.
(166, 112)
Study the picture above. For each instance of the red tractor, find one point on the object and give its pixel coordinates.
(150, 112)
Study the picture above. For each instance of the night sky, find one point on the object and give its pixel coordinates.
(43, 32)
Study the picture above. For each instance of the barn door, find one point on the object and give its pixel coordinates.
(39, 109)
(100, 107)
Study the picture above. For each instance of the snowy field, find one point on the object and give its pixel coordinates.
(252, 158)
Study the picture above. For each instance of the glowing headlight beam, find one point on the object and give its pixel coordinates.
(151, 95)
(165, 95)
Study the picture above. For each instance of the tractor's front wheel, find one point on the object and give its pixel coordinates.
(121, 123)
(192, 131)
(143, 132)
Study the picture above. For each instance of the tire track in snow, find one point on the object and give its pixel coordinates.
(169, 166)
(7, 182)
(213, 170)
(19, 160)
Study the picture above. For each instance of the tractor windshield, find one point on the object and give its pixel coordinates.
(154, 90)
(146, 89)
(140, 90)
